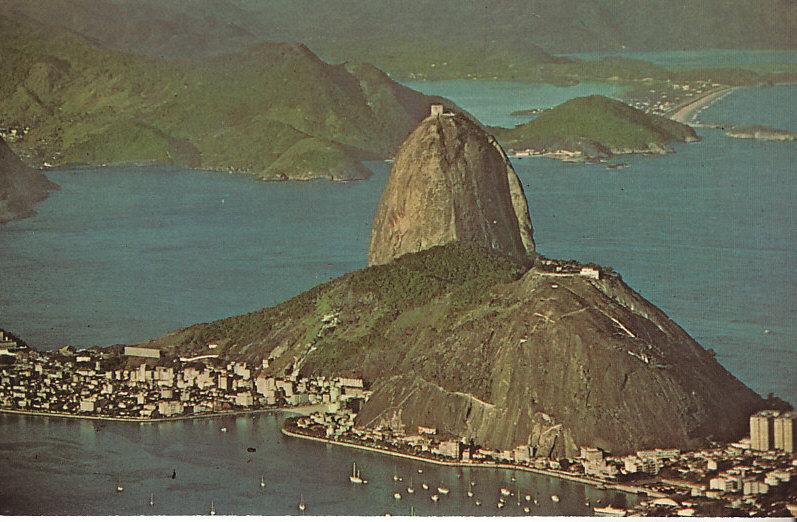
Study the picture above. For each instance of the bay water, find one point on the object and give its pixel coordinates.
(121, 255)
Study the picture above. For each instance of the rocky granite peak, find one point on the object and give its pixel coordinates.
(451, 181)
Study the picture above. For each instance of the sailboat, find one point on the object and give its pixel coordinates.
(397, 495)
(395, 474)
(478, 502)
(470, 491)
(151, 499)
(435, 498)
(355, 475)
(212, 509)
(302, 506)
(262, 481)
(410, 489)
(119, 488)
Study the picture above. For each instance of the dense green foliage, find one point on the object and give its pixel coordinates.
(275, 110)
(598, 122)
(378, 297)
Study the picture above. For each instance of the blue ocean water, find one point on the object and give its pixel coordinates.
(72, 467)
(126, 254)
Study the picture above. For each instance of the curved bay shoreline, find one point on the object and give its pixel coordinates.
(634, 490)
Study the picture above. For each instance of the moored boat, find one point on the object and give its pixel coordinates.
(609, 511)
(355, 477)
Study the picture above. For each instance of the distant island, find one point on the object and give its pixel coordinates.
(759, 132)
(593, 128)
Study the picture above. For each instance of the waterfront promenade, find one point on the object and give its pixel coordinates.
(636, 490)
(300, 410)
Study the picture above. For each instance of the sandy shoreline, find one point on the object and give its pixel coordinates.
(635, 490)
(688, 112)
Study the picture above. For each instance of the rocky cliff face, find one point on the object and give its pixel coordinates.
(451, 182)
(21, 187)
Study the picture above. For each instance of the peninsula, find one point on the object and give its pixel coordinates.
(275, 111)
(21, 187)
(460, 343)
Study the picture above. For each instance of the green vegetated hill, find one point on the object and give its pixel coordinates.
(274, 110)
(20, 186)
(596, 126)
(479, 345)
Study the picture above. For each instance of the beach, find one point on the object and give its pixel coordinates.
(687, 112)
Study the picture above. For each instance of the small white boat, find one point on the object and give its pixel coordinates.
(119, 488)
(224, 430)
(472, 483)
(470, 494)
(526, 509)
(513, 479)
(355, 477)
(212, 509)
(395, 478)
(478, 502)
(425, 485)
(151, 499)
(302, 506)
(410, 489)
(397, 495)
(443, 490)
(609, 511)
(435, 498)
(555, 498)
(500, 505)
(420, 471)
(505, 492)
(262, 481)
(535, 502)
(528, 498)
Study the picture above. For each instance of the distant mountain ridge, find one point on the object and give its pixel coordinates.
(370, 31)
(275, 110)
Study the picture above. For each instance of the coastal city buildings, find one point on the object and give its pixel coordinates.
(138, 384)
(753, 476)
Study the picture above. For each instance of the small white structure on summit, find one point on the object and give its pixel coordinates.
(437, 109)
